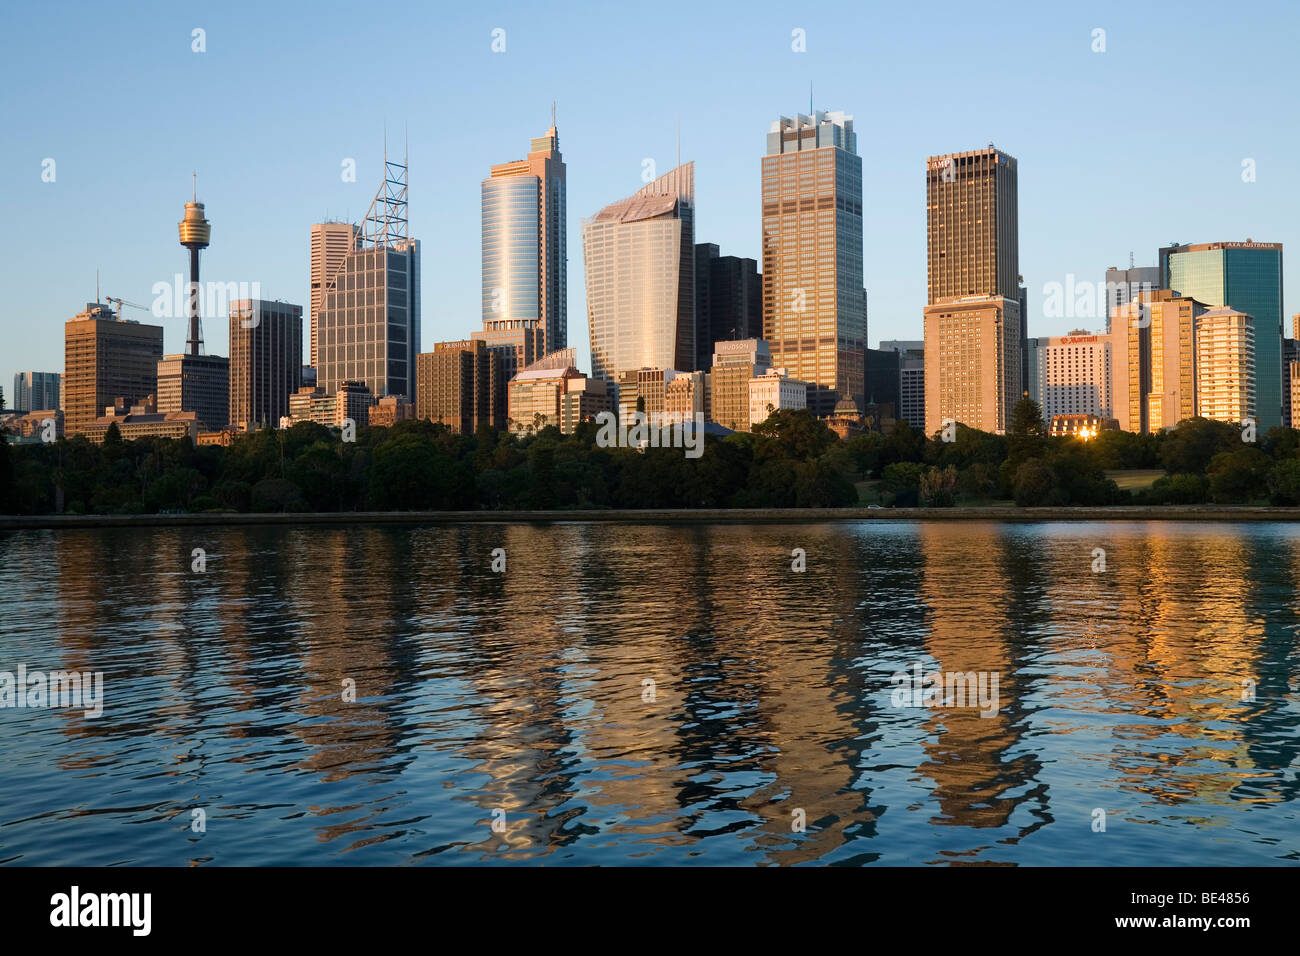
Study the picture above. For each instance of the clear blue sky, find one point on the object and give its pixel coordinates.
(1123, 150)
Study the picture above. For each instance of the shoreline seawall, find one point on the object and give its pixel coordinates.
(662, 516)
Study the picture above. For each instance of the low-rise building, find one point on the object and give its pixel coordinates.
(772, 391)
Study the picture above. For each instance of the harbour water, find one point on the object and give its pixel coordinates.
(630, 694)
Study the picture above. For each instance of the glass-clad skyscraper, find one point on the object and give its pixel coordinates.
(639, 255)
(1245, 276)
(525, 276)
(369, 321)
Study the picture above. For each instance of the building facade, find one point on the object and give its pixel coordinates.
(1247, 277)
(369, 326)
(106, 359)
(1124, 285)
(35, 391)
(1071, 375)
(728, 301)
(773, 391)
(265, 361)
(975, 339)
(1225, 366)
(331, 243)
(196, 383)
(734, 364)
(814, 308)
(639, 255)
(525, 270)
(461, 385)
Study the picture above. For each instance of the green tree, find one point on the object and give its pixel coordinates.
(1027, 437)
(1188, 448)
(1239, 476)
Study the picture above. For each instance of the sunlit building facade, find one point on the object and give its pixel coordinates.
(330, 244)
(734, 364)
(1225, 366)
(1247, 277)
(975, 344)
(639, 255)
(524, 216)
(105, 359)
(814, 307)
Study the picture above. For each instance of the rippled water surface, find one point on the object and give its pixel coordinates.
(525, 698)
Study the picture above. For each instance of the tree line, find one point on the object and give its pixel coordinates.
(793, 460)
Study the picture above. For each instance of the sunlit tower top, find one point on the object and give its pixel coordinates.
(195, 235)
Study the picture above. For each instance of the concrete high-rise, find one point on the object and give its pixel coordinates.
(331, 242)
(1124, 285)
(195, 383)
(35, 391)
(461, 385)
(1247, 277)
(1071, 374)
(369, 324)
(105, 359)
(734, 364)
(974, 336)
(525, 271)
(1153, 360)
(639, 255)
(1225, 366)
(265, 361)
(814, 309)
(728, 301)
(911, 380)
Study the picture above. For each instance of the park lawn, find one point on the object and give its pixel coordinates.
(1135, 479)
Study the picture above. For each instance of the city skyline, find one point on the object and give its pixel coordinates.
(264, 221)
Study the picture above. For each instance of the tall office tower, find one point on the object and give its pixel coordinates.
(1290, 358)
(1072, 374)
(639, 255)
(330, 244)
(1245, 276)
(106, 358)
(728, 301)
(734, 364)
(882, 382)
(1158, 358)
(974, 337)
(196, 383)
(1123, 286)
(525, 272)
(460, 384)
(814, 311)
(911, 379)
(35, 392)
(1225, 366)
(369, 328)
(265, 361)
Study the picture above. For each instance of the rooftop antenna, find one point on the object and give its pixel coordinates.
(1130, 259)
(552, 114)
(679, 136)
(195, 176)
(810, 98)
(96, 285)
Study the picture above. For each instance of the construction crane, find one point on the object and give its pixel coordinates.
(122, 302)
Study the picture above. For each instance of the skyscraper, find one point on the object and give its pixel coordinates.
(728, 301)
(1247, 277)
(639, 255)
(1225, 366)
(734, 364)
(369, 326)
(525, 271)
(35, 391)
(195, 383)
(106, 358)
(974, 339)
(814, 312)
(1123, 286)
(265, 361)
(330, 244)
(460, 385)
